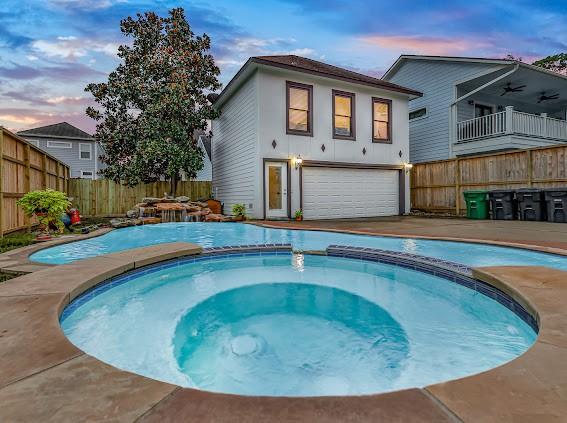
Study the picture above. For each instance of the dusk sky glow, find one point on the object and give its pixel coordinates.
(50, 49)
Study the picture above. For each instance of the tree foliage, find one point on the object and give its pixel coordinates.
(556, 63)
(155, 100)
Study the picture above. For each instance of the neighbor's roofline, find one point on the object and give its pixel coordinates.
(259, 61)
(395, 66)
(63, 137)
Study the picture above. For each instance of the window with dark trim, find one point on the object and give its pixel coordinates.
(419, 113)
(344, 124)
(381, 120)
(299, 109)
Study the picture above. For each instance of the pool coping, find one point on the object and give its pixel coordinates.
(533, 247)
(46, 378)
(17, 261)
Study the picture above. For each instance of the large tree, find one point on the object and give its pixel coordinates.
(154, 101)
(555, 62)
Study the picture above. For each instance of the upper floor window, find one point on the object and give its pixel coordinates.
(299, 109)
(85, 151)
(59, 144)
(419, 113)
(381, 120)
(343, 115)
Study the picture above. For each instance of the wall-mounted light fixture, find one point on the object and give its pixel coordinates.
(408, 167)
(297, 161)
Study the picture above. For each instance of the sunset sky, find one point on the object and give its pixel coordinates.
(50, 49)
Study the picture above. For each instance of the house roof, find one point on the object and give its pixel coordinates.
(58, 130)
(406, 57)
(313, 67)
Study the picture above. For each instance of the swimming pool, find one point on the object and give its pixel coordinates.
(294, 325)
(230, 234)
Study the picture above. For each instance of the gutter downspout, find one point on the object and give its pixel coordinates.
(453, 106)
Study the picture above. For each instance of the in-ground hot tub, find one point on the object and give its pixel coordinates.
(295, 325)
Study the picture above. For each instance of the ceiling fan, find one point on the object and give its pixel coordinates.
(509, 89)
(544, 97)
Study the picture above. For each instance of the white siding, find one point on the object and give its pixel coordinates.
(429, 137)
(234, 150)
(272, 126)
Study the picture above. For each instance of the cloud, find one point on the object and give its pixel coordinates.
(17, 119)
(86, 4)
(11, 40)
(62, 72)
(71, 47)
(68, 100)
(425, 45)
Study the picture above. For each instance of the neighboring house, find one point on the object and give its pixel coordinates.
(69, 144)
(204, 143)
(472, 106)
(295, 133)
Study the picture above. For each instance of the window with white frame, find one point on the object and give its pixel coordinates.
(59, 144)
(87, 174)
(85, 151)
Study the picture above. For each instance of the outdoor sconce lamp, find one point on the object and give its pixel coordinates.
(408, 167)
(298, 162)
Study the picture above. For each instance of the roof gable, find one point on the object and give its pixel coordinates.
(58, 130)
(313, 67)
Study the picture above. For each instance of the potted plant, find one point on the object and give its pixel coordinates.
(299, 215)
(47, 206)
(239, 212)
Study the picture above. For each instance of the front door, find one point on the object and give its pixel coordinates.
(276, 189)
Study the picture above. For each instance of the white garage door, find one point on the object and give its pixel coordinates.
(331, 193)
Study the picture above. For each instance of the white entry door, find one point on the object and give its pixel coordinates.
(335, 193)
(276, 189)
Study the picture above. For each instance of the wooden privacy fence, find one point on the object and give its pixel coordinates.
(438, 186)
(102, 197)
(24, 168)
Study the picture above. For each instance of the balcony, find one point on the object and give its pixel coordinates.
(511, 123)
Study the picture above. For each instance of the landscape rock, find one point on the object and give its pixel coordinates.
(132, 213)
(151, 200)
(124, 222)
(182, 199)
(213, 217)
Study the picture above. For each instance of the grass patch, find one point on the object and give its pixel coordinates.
(9, 242)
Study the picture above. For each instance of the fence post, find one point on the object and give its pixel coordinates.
(457, 187)
(27, 170)
(44, 166)
(530, 169)
(509, 119)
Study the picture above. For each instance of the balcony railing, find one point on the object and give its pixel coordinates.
(511, 122)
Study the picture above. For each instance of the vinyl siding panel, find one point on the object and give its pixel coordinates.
(429, 136)
(234, 149)
(70, 156)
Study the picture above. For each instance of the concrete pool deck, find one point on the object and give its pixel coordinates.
(43, 377)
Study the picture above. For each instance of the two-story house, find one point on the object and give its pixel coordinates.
(69, 144)
(295, 133)
(474, 106)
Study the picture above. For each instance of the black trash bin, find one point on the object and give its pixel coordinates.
(531, 204)
(502, 204)
(556, 199)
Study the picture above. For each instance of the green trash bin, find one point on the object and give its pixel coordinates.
(477, 204)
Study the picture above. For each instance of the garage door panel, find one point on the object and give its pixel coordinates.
(330, 193)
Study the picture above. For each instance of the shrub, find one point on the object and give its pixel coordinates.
(298, 214)
(239, 210)
(47, 206)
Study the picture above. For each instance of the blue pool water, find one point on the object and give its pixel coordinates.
(295, 325)
(227, 234)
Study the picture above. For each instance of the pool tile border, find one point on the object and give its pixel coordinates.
(206, 255)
